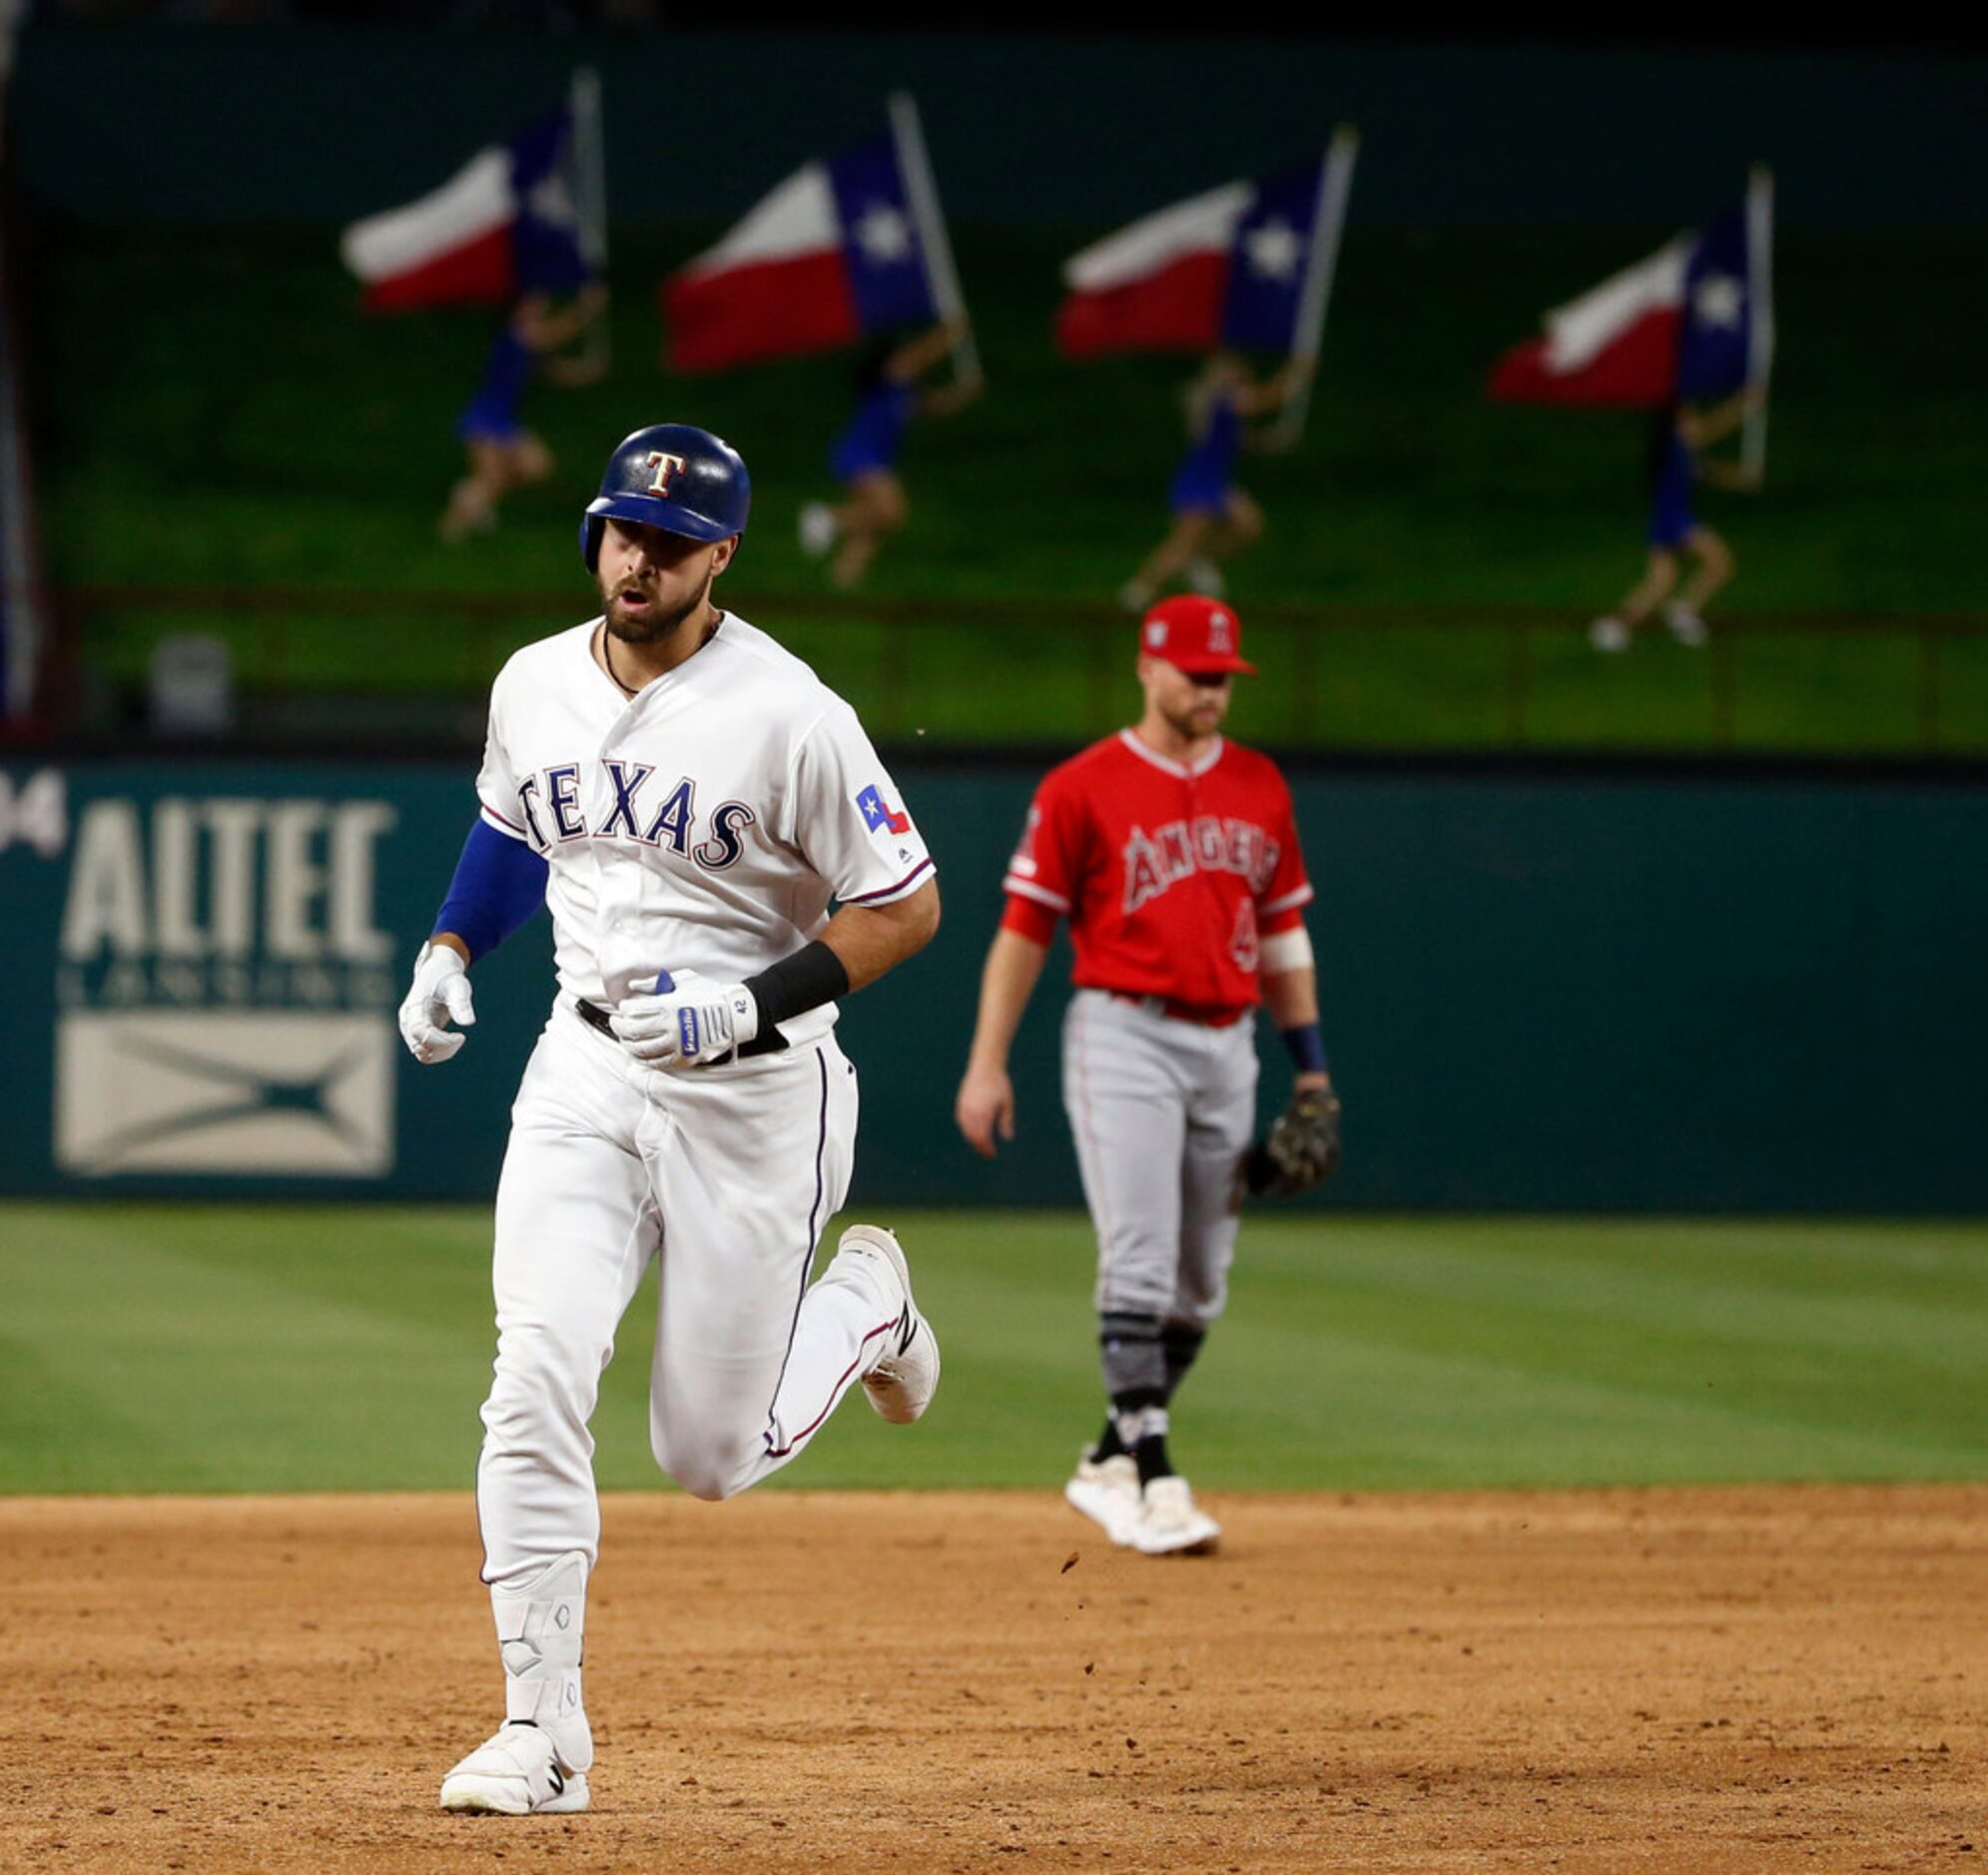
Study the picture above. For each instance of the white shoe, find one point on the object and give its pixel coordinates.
(905, 1376)
(1108, 1491)
(1173, 1523)
(1608, 634)
(515, 1774)
(818, 529)
(1136, 595)
(1204, 577)
(1686, 625)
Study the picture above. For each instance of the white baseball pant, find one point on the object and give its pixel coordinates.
(727, 1177)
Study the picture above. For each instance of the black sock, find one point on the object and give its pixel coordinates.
(1182, 1345)
(1142, 1427)
(1109, 1444)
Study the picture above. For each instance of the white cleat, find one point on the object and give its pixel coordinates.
(1173, 1523)
(1608, 634)
(1108, 1491)
(818, 529)
(1136, 595)
(1204, 577)
(905, 1375)
(1686, 625)
(514, 1773)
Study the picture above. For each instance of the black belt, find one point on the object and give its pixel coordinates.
(591, 1014)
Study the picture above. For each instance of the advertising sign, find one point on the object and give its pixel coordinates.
(204, 965)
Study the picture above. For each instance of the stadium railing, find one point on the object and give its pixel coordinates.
(1008, 671)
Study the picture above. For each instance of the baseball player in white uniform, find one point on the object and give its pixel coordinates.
(687, 798)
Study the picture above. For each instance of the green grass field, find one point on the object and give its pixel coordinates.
(199, 1348)
(286, 442)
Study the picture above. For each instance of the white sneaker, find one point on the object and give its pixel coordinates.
(1173, 1523)
(1608, 634)
(1108, 1491)
(1686, 625)
(515, 1774)
(905, 1376)
(1204, 577)
(818, 529)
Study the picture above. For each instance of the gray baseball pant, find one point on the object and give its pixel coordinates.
(1161, 1110)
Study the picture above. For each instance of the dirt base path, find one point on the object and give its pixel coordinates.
(1702, 1680)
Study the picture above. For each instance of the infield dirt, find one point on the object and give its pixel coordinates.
(1702, 1680)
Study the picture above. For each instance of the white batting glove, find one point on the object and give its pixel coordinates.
(439, 996)
(689, 1022)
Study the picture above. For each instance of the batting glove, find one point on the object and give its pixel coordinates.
(439, 995)
(689, 1021)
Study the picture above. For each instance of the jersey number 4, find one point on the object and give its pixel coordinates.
(1243, 940)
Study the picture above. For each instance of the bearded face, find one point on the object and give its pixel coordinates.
(651, 581)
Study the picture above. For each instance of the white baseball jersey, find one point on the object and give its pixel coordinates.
(704, 824)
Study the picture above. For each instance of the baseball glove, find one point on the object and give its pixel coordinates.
(1302, 1151)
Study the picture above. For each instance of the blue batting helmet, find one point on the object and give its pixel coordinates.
(674, 476)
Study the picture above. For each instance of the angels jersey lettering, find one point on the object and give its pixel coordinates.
(705, 824)
(1169, 876)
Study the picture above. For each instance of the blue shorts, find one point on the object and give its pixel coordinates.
(1196, 492)
(1671, 522)
(489, 419)
(849, 460)
(1670, 516)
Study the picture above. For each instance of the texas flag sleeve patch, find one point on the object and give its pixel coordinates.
(878, 814)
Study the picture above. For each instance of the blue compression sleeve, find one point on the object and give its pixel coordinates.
(499, 882)
(1307, 1049)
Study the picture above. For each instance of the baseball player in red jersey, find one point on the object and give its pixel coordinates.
(1174, 856)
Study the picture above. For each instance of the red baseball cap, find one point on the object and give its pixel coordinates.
(1194, 635)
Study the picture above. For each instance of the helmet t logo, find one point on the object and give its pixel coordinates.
(665, 466)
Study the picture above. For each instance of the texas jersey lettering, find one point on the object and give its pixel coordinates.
(738, 771)
(550, 806)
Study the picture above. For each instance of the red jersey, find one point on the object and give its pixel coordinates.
(1168, 875)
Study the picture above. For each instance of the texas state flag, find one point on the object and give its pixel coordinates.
(1684, 323)
(1224, 268)
(834, 253)
(506, 223)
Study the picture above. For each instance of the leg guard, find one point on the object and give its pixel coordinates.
(539, 1634)
(1134, 1358)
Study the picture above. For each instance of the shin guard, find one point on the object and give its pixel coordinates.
(539, 1634)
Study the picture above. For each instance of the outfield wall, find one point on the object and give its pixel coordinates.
(166, 121)
(1673, 992)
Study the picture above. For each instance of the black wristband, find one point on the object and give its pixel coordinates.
(813, 975)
